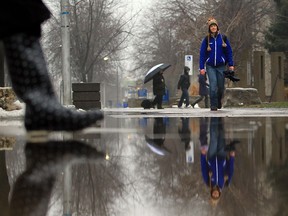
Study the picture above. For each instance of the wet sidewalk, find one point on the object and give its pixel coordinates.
(200, 112)
(149, 163)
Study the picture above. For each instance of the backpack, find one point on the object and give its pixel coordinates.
(224, 37)
(146, 104)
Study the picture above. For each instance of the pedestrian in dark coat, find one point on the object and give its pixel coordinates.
(20, 31)
(184, 84)
(158, 89)
(203, 90)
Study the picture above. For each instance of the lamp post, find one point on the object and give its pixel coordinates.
(106, 58)
(65, 34)
(104, 85)
(67, 202)
(117, 84)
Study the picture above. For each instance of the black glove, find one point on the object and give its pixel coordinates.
(231, 75)
(231, 145)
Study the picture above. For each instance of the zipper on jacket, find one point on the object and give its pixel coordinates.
(215, 58)
(217, 176)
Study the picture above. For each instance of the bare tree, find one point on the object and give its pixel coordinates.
(99, 28)
(241, 21)
(96, 33)
(157, 43)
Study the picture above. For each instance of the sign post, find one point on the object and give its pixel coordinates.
(65, 34)
(189, 63)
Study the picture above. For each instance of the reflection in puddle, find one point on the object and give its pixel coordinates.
(156, 144)
(157, 166)
(44, 161)
(217, 157)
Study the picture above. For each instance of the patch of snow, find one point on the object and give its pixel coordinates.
(12, 114)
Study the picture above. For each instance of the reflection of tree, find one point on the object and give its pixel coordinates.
(279, 177)
(171, 182)
(257, 188)
(97, 188)
(249, 193)
(168, 179)
(32, 189)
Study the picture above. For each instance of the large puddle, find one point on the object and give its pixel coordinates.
(150, 167)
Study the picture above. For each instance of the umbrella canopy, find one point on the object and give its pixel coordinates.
(154, 70)
(156, 148)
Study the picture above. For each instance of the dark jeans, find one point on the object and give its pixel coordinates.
(158, 100)
(217, 139)
(216, 84)
(200, 99)
(185, 96)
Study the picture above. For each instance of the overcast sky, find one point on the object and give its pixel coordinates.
(139, 4)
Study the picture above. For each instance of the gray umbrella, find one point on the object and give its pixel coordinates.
(154, 70)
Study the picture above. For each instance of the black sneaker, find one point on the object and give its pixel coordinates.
(219, 106)
(214, 109)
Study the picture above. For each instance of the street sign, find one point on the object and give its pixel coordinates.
(189, 63)
(190, 153)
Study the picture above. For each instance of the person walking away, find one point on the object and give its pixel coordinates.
(184, 84)
(203, 90)
(215, 53)
(28, 70)
(158, 89)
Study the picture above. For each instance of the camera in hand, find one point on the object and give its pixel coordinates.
(231, 75)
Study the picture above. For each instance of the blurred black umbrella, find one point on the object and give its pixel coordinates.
(156, 145)
(154, 70)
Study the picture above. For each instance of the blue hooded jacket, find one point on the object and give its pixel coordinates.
(219, 167)
(218, 55)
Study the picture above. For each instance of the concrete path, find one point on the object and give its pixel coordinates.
(197, 112)
(11, 123)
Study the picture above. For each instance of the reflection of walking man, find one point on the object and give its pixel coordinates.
(217, 167)
(185, 133)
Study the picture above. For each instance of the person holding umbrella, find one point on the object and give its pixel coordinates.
(156, 144)
(158, 89)
(215, 53)
(156, 74)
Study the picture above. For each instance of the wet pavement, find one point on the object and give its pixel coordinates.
(150, 162)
